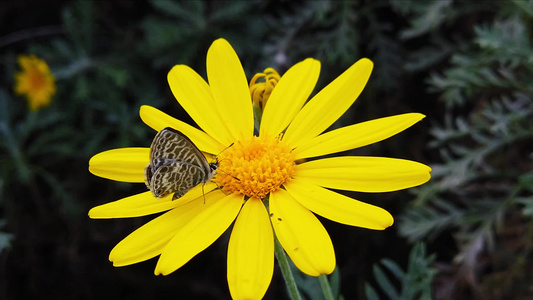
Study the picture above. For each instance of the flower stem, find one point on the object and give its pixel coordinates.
(326, 289)
(258, 114)
(286, 271)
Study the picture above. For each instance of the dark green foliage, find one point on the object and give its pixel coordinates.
(310, 286)
(480, 188)
(467, 65)
(5, 238)
(414, 283)
(179, 31)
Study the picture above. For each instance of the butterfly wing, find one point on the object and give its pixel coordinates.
(176, 165)
(148, 173)
(175, 177)
(171, 145)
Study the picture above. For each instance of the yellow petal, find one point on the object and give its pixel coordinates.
(337, 207)
(194, 95)
(230, 89)
(364, 174)
(354, 136)
(158, 120)
(301, 234)
(213, 218)
(329, 104)
(149, 240)
(251, 252)
(289, 95)
(145, 204)
(123, 164)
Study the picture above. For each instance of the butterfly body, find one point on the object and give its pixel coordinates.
(176, 165)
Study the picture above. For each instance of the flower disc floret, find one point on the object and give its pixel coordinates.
(255, 167)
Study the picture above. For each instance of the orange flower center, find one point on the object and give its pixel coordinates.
(255, 167)
(36, 79)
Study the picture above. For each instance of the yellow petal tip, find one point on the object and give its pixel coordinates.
(366, 61)
(221, 40)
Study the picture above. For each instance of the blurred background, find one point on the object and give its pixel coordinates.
(466, 65)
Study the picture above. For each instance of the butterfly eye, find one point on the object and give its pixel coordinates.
(213, 166)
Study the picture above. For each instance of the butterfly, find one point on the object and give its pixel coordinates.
(176, 165)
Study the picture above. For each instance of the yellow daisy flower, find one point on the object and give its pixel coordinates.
(259, 167)
(35, 81)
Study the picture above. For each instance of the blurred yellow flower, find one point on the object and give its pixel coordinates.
(257, 169)
(35, 81)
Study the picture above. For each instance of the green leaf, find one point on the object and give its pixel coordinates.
(528, 205)
(370, 292)
(386, 286)
(5, 238)
(526, 181)
(415, 283)
(393, 268)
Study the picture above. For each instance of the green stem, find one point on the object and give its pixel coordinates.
(286, 271)
(326, 289)
(258, 114)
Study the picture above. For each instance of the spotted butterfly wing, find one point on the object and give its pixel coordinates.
(176, 165)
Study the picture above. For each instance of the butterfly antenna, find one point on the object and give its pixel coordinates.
(203, 191)
(216, 157)
(224, 173)
(224, 150)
